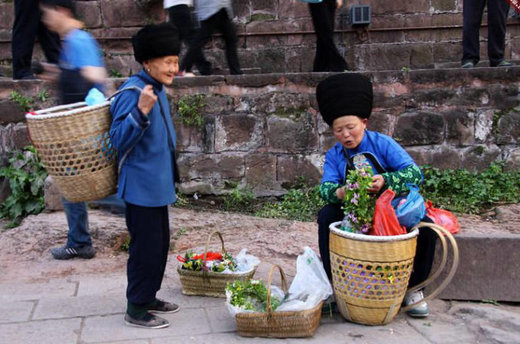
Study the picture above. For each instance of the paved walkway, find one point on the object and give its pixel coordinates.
(90, 308)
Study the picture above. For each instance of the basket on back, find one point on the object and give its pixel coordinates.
(284, 324)
(209, 283)
(370, 274)
(74, 146)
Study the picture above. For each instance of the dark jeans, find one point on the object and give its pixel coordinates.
(424, 255)
(148, 252)
(181, 16)
(27, 26)
(472, 18)
(221, 22)
(328, 58)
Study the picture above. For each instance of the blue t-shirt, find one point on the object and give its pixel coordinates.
(79, 50)
(375, 149)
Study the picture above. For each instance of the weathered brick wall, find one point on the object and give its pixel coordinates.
(277, 35)
(264, 131)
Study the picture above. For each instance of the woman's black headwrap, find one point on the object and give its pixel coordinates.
(156, 40)
(344, 94)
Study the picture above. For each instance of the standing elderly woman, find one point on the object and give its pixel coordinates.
(345, 103)
(143, 134)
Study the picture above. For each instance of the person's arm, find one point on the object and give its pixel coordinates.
(128, 122)
(397, 180)
(94, 74)
(330, 188)
(339, 3)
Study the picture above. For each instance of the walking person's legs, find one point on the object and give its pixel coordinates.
(472, 18)
(497, 17)
(25, 29)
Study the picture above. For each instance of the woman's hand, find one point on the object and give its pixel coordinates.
(339, 3)
(377, 183)
(340, 193)
(147, 100)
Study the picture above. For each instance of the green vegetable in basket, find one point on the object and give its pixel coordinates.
(250, 295)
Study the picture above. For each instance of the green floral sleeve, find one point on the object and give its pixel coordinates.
(328, 192)
(397, 180)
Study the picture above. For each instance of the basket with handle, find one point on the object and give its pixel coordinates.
(370, 274)
(210, 283)
(283, 324)
(74, 145)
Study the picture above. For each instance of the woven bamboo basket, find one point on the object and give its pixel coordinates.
(283, 324)
(74, 146)
(370, 274)
(209, 283)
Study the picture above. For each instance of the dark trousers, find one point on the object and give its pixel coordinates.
(424, 255)
(148, 252)
(181, 16)
(220, 22)
(472, 18)
(27, 26)
(327, 58)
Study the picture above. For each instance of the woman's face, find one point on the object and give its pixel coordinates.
(349, 130)
(163, 69)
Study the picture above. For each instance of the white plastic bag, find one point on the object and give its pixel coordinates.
(246, 262)
(310, 285)
(276, 293)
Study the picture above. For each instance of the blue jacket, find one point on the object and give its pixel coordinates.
(146, 175)
(382, 149)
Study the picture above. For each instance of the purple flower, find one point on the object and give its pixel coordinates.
(353, 218)
(354, 199)
(365, 227)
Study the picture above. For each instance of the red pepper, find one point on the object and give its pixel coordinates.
(181, 259)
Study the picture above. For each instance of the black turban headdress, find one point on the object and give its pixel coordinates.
(156, 40)
(344, 94)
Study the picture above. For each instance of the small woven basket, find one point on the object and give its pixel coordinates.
(209, 283)
(370, 274)
(74, 146)
(283, 324)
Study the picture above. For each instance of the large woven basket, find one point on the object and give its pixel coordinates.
(370, 274)
(209, 283)
(74, 146)
(279, 324)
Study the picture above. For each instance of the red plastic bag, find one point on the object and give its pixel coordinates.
(385, 221)
(443, 218)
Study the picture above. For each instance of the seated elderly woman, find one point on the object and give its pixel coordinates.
(143, 134)
(345, 103)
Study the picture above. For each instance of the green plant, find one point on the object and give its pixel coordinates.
(238, 200)
(126, 244)
(26, 177)
(405, 69)
(24, 102)
(250, 295)
(359, 204)
(114, 73)
(298, 204)
(178, 234)
(471, 192)
(43, 95)
(189, 109)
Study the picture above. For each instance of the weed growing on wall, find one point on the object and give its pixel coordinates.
(298, 204)
(26, 176)
(239, 200)
(26, 103)
(189, 110)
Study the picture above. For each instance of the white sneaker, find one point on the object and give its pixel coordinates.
(420, 310)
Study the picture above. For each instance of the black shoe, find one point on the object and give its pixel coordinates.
(163, 307)
(148, 321)
(64, 252)
(468, 64)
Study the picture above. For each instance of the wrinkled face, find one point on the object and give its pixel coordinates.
(349, 130)
(163, 69)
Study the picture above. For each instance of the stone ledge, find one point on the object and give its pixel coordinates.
(489, 268)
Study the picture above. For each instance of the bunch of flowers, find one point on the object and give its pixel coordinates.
(359, 204)
(250, 295)
(216, 261)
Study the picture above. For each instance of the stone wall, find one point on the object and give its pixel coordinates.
(264, 131)
(277, 35)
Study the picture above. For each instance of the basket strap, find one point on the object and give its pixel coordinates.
(268, 308)
(207, 245)
(135, 88)
(441, 232)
